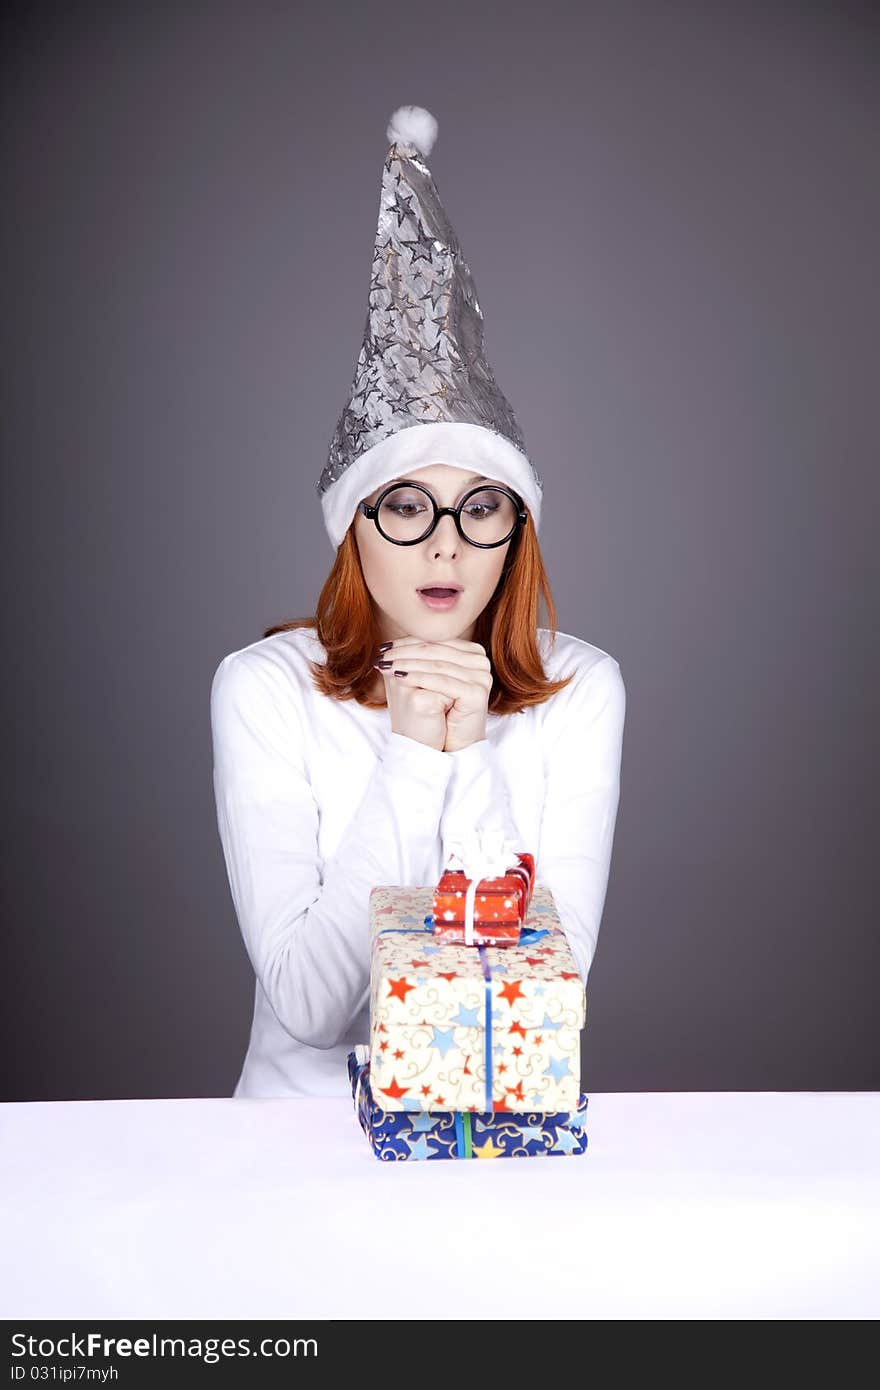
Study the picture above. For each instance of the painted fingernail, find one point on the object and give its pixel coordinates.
(400, 673)
(382, 665)
(383, 646)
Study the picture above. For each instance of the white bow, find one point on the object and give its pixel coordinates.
(481, 853)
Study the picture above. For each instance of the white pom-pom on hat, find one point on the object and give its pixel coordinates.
(413, 125)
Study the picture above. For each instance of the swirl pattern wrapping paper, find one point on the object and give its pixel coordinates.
(430, 1002)
(396, 1136)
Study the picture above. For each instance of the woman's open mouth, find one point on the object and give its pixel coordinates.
(439, 598)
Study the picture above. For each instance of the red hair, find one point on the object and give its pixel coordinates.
(346, 627)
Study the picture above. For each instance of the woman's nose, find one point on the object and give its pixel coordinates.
(445, 533)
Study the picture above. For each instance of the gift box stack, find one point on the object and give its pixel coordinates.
(476, 1009)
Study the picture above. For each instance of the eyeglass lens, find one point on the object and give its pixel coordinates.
(487, 517)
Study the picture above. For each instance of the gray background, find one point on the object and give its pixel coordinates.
(671, 215)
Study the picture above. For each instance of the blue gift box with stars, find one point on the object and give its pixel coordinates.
(396, 1136)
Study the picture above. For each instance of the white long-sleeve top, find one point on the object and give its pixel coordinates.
(318, 800)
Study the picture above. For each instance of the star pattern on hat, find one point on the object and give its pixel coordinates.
(402, 206)
(435, 292)
(424, 328)
(422, 248)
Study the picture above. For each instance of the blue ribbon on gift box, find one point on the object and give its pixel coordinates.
(527, 937)
(463, 1145)
(487, 976)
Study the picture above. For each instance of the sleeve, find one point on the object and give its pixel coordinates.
(583, 764)
(307, 932)
(477, 796)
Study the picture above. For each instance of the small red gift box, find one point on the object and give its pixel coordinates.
(500, 905)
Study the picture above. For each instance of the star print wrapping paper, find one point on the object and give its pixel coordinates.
(396, 1136)
(465, 1028)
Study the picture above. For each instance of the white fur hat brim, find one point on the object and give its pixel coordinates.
(460, 445)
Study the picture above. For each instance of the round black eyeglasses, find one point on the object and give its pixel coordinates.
(520, 517)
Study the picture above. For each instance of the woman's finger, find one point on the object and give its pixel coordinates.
(457, 642)
(476, 676)
(470, 654)
(454, 689)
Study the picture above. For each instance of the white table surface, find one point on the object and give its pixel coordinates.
(697, 1205)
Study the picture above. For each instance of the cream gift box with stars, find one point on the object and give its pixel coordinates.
(465, 1028)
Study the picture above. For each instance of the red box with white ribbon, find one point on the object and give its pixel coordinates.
(484, 892)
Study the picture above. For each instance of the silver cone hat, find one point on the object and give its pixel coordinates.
(423, 390)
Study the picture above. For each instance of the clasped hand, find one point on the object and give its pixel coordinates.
(457, 670)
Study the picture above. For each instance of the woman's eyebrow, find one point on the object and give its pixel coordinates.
(477, 478)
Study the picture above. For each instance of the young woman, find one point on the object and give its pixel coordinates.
(352, 747)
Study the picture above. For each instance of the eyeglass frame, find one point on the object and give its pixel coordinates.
(372, 513)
